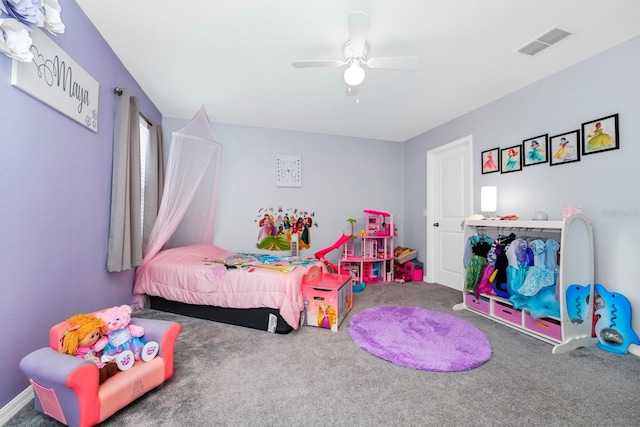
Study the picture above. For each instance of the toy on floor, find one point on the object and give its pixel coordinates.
(359, 287)
(124, 343)
(79, 340)
(613, 328)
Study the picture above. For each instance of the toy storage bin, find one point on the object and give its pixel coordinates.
(410, 268)
(507, 312)
(545, 326)
(481, 304)
(413, 254)
(418, 269)
(327, 301)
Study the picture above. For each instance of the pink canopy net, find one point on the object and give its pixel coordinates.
(187, 209)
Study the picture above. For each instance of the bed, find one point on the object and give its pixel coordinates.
(208, 282)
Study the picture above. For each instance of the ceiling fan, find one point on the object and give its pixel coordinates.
(356, 50)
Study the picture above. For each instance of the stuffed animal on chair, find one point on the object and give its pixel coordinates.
(79, 340)
(124, 343)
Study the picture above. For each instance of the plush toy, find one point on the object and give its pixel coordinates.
(79, 340)
(124, 339)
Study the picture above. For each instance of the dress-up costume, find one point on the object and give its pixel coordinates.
(480, 246)
(544, 270)
(502, 262)
(538, 291)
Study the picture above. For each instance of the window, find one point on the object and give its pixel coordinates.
(145, 137)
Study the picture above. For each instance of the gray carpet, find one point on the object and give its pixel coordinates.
(231, 376)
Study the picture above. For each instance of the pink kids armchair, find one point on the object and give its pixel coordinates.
(67, 388)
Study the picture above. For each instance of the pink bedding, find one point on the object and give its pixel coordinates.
(188, 274)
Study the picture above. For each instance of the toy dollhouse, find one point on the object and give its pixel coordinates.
(374, 261)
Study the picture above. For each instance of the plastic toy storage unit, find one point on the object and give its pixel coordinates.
(374, 260)
(576, 260)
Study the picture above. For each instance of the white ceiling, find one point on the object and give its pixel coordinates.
(234, 56)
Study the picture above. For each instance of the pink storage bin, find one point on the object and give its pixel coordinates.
(508, 313)
(328, 293)
(413, 272)
(480, 304)
(547, 327)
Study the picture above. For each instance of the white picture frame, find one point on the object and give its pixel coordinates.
(288, 170)
(55, 79)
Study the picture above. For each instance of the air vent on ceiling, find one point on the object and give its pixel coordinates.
(544, 41)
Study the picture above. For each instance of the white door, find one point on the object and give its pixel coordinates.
(449, 202)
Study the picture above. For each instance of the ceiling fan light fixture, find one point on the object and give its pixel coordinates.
(354, 75)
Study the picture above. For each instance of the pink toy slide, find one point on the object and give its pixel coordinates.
(321, 253)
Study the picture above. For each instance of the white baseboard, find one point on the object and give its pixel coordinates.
(13, 407)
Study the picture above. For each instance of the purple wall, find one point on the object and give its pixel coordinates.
(55, 190)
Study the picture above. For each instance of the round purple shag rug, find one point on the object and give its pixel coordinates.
(420, 339)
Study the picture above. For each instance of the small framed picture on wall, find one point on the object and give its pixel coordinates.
(491, 161)
(600, 135)
(288, 171)
(535, 150)
(565, 148)
(511, 159)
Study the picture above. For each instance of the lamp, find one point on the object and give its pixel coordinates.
(488, 200)
(354, 75)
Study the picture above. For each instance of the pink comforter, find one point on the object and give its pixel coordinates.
(188, 275)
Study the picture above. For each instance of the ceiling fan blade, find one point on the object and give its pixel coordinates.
(358, 28)
(318, 63)
(394, 63)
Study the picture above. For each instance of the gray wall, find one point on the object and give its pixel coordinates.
(341, 176)
(604, 184)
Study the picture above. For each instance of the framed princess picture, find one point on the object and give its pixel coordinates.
(535, 150)
(511, 159)
(600, 135)
(491, 161)
(565, 148)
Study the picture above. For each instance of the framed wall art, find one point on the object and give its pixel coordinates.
(511, 159)
(535, 150)
(288, 171)
(491, 161)
(600, 135)
(565, 148)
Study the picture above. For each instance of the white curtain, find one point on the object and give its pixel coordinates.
(187, 210)
(125, 237)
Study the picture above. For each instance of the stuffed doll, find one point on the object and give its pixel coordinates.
(123, 342)
(80, 339)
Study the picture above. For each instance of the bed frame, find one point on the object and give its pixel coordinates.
(264, 319)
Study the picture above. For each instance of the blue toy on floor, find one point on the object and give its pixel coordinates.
(613, 328)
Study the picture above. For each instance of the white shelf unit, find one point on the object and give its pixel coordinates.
(576, 266)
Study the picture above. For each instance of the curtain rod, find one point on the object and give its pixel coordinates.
(118, 92)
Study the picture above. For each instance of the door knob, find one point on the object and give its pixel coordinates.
(436, 224)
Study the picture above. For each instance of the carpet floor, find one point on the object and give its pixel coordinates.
(232, 376)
